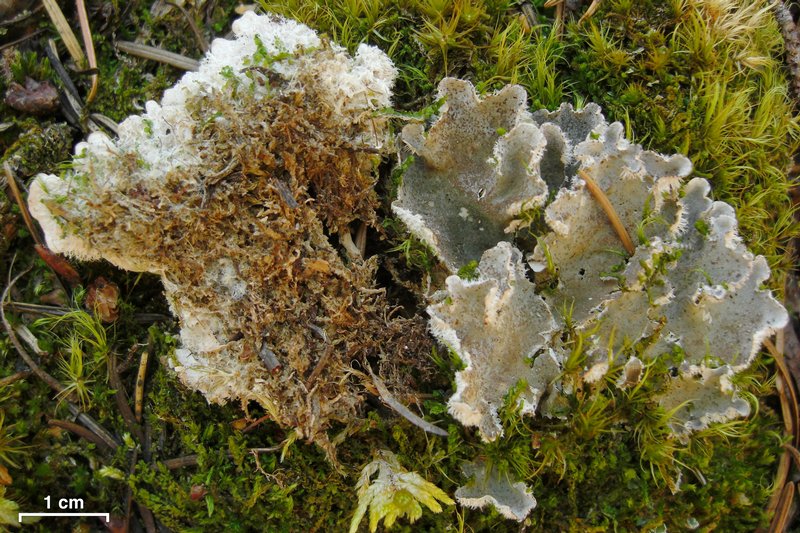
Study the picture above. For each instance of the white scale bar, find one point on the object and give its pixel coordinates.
(107, 515)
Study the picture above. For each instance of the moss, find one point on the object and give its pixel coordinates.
(714, 93)
(704, 79)
(38, 149)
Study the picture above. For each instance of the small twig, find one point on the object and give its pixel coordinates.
(11, 180)
(24, 15)
(201, 39)
(780, 520)
(156, 54)
(255, 424)
(794, 452)
(93, 426)
(782, 474)
(147, 518)
(62, 26)
(180, 462)
(346, 240)
(69, 86)
(558, 22)
(791, 42)
(71, 102)
(401, 409)
(601, 198)
(29, 338)
(191, 460)
(141, 375)
(22, 39)
(52, 310)
(591, 10)
(361, 239)
(270, 449)
(286, 194)
(105, 122)
(41, 374)
(531, 16)
(13, 378)
(122, 399)
(791, 415)
(59, 265)
(324, 358)
(129, 490)
(80, 431)
(88, 44)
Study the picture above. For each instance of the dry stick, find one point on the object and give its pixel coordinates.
(591, 10)
(558, 23)
(795, 453)
(54, 384)
(191, 460)
(23, 207)
(41, 374)
(52, 310)
(105, 122)
(156, 54)
(781, 518)
(401, 409)
(321, 364)
(601, 198)
(81, 432)
(778, 502)
(361, 239)
(786, 408)
(92, 424)
(62, 26)
(255, 424)
(57, 264)
(147, 518)
(791, 42)
(86, 33)
(25, 14)
(201, 39)
(529, 11)
(794, 409)
(129, 490)
(71, 103)
(122, 399)
(180, 462)
(22, 39)
(139, 391)
(13, 378)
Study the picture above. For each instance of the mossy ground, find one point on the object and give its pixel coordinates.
(684, 76)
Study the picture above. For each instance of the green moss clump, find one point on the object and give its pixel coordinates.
(706, 80)
(681, 76)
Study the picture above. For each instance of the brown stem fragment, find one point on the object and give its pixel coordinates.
(140, 379)
(80, 431)
(601, 198)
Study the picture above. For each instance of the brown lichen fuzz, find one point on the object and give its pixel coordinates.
(248, 242)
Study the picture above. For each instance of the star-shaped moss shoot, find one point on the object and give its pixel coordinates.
(394, 494)
(234, 190)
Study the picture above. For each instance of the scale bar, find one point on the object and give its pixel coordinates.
(106, 515)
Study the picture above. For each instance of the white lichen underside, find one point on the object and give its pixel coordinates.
(162, 140)
(487, 486)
